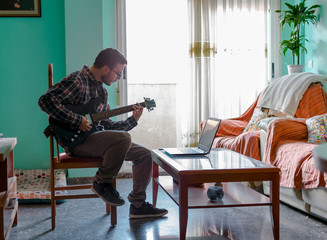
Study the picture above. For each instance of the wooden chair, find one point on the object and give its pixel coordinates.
(63, 161)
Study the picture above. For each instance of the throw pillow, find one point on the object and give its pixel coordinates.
(317, 129)
(258, 114)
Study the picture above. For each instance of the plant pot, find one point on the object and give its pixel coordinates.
(295, 68)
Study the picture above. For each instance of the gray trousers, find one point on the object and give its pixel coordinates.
(116, 147)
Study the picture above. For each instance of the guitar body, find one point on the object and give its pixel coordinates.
(70, 138)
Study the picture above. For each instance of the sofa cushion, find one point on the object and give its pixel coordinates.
(258, 114)
(317, 129)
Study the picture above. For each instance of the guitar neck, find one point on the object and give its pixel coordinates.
(110, 113)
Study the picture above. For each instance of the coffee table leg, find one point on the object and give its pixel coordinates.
(183, 209)
(274, 198)
(155, 174)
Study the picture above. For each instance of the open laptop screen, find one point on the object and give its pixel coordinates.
(208, 134)
(204, 146)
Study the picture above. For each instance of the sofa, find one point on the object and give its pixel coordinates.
(281, 140)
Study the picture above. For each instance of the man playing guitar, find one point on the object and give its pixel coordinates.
(110, 138)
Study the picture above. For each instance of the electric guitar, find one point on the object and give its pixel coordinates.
(70, 138)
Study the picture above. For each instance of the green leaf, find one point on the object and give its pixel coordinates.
(296, 16)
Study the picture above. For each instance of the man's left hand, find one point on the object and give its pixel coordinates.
(137, 112)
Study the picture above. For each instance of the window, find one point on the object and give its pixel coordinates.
(157, 47)
(157, 53)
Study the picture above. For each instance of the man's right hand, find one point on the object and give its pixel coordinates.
(85, 125)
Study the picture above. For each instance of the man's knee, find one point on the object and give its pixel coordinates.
(125, 139)
(119, 139)
(146, 156)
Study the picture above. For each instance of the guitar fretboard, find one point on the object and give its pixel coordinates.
(107, 114)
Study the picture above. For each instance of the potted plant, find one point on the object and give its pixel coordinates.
(296, 16)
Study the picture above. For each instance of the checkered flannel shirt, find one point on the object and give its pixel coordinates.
(79, 88)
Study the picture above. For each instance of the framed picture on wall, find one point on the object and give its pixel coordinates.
(20, 8)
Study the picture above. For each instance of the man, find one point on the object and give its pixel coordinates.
(111, 140)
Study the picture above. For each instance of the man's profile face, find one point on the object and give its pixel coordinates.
(111, 75)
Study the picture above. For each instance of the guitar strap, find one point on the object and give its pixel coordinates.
(48, 131)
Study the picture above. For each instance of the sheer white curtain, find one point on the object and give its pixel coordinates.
(153, 34)
(241, 63)
(228, 52)
(199, 88)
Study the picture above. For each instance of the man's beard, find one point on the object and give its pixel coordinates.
(103, 78)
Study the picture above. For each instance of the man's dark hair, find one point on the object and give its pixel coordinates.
(109, 57)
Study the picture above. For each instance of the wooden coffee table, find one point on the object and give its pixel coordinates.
(221, 165)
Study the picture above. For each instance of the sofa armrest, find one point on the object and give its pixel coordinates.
(287, 129)
(229, 127)
(281, 131)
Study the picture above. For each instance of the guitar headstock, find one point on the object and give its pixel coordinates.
(149, 104)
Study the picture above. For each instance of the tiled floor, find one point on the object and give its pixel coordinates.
(86, 219)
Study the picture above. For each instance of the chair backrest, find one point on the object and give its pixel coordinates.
(51, 137)
(50, 75)
(313, 102)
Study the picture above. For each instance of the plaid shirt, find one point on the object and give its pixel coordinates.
(79, 88)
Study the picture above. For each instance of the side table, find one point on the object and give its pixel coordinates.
(8, 187)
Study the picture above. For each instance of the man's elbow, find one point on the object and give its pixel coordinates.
(41, 103)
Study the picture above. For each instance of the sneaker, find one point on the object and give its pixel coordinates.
(146, 211)
(107, 193)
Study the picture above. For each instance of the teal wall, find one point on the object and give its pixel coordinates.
(317, 46)
(95, 21)
(27, 45)
(317, 35)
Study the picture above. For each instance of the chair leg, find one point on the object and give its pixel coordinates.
(53, 213)
(113, 215)
(108, 208)
(15, 220)
(53, 201)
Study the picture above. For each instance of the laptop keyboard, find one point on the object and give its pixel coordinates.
(188, 150)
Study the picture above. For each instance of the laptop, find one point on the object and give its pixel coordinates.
(204, 146)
